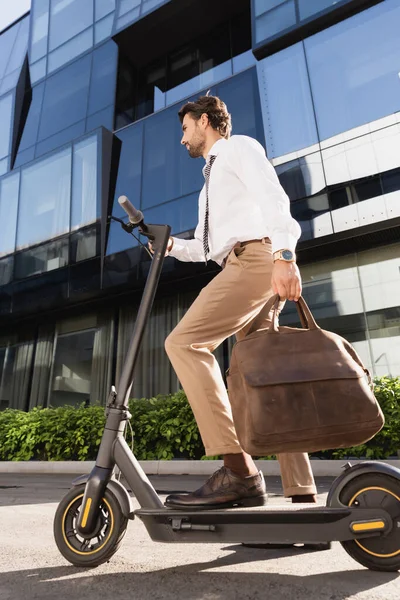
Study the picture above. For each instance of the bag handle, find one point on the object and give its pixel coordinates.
(306, 318)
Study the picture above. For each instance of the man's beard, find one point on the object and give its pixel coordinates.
(196, 148)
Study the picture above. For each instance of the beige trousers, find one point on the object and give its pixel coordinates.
(227, 306)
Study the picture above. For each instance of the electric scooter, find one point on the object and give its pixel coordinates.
(362, 511)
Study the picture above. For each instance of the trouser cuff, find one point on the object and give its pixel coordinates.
(299, 490)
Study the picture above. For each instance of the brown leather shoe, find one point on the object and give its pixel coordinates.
(224, 489)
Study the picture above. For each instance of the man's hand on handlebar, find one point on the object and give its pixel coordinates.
(169, 246)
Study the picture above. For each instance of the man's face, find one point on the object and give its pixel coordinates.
(194, 137)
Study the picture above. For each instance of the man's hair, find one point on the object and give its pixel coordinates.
(214, 108)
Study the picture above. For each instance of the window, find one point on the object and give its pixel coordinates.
(67, 19)
(184, 71)
(9, 189)
(44, 207)
(72, 368)
(41, 259)
(13, 49)
(286, 102)
(272, 17)
(6, 107)
(40, 23)
(354, 69)
(84, 183)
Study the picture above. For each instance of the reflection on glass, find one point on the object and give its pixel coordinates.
(72, 368)
(65, 98)
(71, 49)
(286, 102)
(41, 259)
(103, 29)
(103, 77)
(38, 70)
(40, 24)
(60, 139)
(83, 244)
(7, 40)
(103, 118)
(354, 69)
(302, 177)
(84, 183)
(103, 8)
(308, 8)
(67, 19)
(6, 269)
(20, 47)
(9, 188)
(313, 215)
(240, 93)
(6, 106)
(181, 215)
(44, 206)
(276, 20)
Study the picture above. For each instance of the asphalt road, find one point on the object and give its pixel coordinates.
(32, 568)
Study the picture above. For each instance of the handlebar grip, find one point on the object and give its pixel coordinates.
(135, 215)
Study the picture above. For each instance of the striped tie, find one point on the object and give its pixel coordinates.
(207, 172)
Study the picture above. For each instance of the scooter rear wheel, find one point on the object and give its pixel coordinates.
(103, 543)
(381, 553)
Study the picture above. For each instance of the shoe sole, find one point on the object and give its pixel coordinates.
(240, 503)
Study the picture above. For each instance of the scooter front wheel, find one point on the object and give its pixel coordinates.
(110, 528)
(380, 553)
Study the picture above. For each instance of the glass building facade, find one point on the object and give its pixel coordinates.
(89, 94)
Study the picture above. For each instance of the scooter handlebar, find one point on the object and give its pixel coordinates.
(135, 215)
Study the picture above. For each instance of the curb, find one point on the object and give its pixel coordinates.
(321, 468)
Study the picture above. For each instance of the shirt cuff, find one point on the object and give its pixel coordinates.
(283, 241)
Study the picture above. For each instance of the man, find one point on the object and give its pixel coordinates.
(246, 227)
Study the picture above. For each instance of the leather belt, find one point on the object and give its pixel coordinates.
(241, 244)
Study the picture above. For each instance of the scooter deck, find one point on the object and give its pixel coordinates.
(289, 524)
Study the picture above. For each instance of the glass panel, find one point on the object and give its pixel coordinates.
(128, 19)
(20, 47)
(313, 216)
(206, 79)
(7, 41)
(71, 49)
(41, 259)
(103, 77)
(30, 132)
(103, 29)
(38, 70)
(24, 157)
(367, 189)
(65, 99)
(9, 82)
(243, 61)
(40, 24)
(60, 139)
(308, 8)
(241, 95)
(6, 272)
(72, 368)
(9, 188)
(181, 215)
(6, 107)
(67, 19)
(354, 69)
(103, 7)
(302, 177)
(3, 166)
(44, 207)
(150, 85)
(149, 5)
(275, 21)
(84, 244)
(286, 102)
(391, 181)
(261, 6)
(127, 5)
(103, 118)
(84, 183)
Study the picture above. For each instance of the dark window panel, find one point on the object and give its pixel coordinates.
(41, 259)
(391, 181)
(241, 32)
(31, 128)
(340, 197)
(151, 83)
(60, 139)
(5, 300)
(103, 78)
(65, 98)
(85, 244)
(121, 269)
(84, 279)
(6, 269)
(41, 293)
(371, 188)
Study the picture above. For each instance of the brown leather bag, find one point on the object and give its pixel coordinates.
(299, 389)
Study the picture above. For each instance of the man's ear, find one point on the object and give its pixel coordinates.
(204, 120)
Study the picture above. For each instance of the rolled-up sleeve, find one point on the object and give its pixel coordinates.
(260, 177)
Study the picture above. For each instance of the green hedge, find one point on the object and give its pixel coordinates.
(164, 428)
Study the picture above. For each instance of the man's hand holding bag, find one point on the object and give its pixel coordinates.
(299, 389)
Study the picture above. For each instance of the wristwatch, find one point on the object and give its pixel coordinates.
(285, 255)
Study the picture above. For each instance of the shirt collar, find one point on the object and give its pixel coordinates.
(216, 147)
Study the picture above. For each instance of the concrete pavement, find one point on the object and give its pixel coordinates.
(32, 568)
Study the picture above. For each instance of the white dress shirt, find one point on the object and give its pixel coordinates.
(246, 202)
